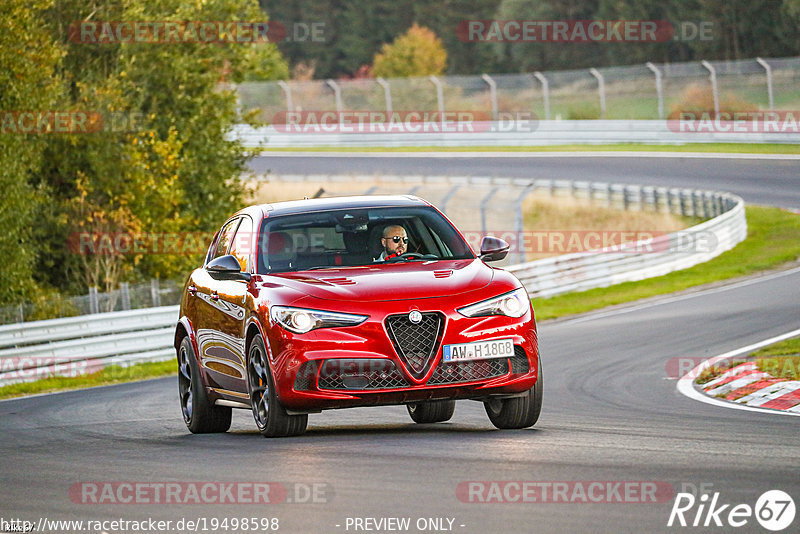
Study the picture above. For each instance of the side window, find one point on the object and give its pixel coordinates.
(224, 239)
(243, 243)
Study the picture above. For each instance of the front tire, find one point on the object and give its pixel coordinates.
(431, 411)
(271, 418)
(199, 414)
(518, 412)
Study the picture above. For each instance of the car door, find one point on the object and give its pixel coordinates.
(220, 319)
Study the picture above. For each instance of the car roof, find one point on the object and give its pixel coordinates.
(311, 205)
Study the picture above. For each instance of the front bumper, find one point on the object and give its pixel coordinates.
(360, 366)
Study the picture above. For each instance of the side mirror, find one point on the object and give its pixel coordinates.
(493, 248)
(226, 268)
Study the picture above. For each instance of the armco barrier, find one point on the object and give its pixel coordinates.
(45, 348)
(65, 347)
(543, 133)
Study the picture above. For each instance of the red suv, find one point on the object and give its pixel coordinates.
(299, 309)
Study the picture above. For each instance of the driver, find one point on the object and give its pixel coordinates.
(395, 242)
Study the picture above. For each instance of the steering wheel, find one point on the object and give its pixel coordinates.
(411, 256)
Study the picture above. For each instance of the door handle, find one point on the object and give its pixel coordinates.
(192, 290)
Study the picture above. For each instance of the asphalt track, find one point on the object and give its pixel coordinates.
(611, 412)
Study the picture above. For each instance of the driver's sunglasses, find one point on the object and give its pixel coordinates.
(397, 239)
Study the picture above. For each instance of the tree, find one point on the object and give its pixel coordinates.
(418, 52)
(27, 84)
(167, 166)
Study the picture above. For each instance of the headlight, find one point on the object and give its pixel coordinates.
(300, 320)
(512, 304)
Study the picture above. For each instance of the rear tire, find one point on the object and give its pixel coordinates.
(199, 414)
(271, 418)
(518, 412)
(432, 411)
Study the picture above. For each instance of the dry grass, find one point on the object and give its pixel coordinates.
(569, 215)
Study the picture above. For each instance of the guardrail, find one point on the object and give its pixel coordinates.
(644, 259)
(75, 345)
(38, 349)
(512, 133)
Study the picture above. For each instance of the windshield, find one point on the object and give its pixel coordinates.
(352, 237)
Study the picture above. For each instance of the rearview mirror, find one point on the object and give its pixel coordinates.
(493, 248)
(226, 268)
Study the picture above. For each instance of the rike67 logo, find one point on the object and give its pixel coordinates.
(774, 510)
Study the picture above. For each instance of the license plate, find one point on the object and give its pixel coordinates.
(479, 350)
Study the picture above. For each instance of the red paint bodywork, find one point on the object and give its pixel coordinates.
(377, 290)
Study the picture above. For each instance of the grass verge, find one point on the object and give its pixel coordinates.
(771, 241)
(781, 360)
(113, 374)
(726, 148)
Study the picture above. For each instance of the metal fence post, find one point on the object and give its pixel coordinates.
(439, 95)
(387, 96)
(287, 91)
(520, 222)
(545, 93)
(484, 204)
(337, 95)
(713, 77)
(448, 196)
(601, 88)
(94, 306)
(155, 293)
(492, 93)
(20, 313)
(126, 295)
(659, 88)
(769, 81)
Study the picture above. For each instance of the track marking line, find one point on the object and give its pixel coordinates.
(686, 382)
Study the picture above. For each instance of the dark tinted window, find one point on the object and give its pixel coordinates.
(352, 237)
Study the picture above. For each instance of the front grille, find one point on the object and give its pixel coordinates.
(452, 373)
(416, 344)
(362, 374)
(519, 363)
(457, 372)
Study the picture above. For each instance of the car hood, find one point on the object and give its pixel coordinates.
(391, 281)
